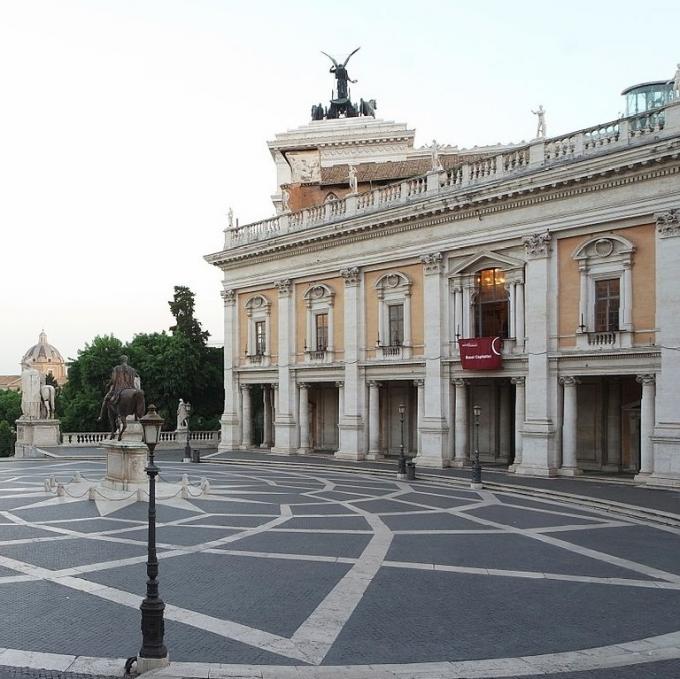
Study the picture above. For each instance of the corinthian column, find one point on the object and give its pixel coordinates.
(247, 418)
(646, 425)
(374, 450)
(304, 419)
(569, 428)
(460, 424)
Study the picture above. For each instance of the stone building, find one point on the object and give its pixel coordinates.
(46, 359)
(538, 281)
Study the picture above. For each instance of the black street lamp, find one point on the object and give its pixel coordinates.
(401, 469)
(152, 607)
(476, 466)
(187, 445)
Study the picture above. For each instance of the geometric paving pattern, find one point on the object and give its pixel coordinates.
(332, 572)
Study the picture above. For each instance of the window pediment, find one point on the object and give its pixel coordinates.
(604, 247)
(487, 259)
(258, 303)
(395, 280)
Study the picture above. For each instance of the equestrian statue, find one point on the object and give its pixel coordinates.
(124, 397)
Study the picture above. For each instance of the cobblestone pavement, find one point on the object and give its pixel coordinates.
(329, 572)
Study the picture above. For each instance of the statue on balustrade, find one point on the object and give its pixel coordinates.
(353, 182)
(124, 397)
(540, 127)
(434, 157)
(676, 82)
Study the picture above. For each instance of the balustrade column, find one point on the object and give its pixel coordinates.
(646, 423)
(461, 423)
(569, 465)
(304, 418)
(267, 416)
(519, 419)
(246, 418)
(374, 450)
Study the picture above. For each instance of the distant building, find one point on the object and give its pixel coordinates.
(10, 382)
(538, 281)
(46, 358)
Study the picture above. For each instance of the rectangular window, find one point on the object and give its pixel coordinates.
(260, 338)
(321, 331)
(607, 300)
(396, 324)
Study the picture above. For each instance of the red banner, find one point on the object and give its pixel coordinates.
(481, 353)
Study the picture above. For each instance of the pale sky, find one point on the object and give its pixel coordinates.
(128, 127)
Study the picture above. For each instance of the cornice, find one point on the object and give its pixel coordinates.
(440, 209)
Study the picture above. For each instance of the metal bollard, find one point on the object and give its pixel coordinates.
(410, 471)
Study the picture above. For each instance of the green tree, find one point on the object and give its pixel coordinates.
(182, 308)
(6, 439)
(87, 379)
(10, 406)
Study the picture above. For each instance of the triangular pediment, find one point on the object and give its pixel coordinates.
(487, 259)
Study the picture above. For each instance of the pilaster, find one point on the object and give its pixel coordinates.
(230, 425)
(539, 454)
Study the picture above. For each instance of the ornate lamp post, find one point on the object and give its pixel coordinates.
(187, 445)
(476, 466)
(401, 469)
(153, 652)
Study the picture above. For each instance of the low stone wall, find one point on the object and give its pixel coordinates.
(169, 439)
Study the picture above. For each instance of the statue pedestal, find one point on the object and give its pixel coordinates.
(125, 463)
(36, 433)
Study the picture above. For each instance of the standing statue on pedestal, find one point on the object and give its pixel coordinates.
(540, 127)
(30, 393)
(181, 415)
(676, 82)
(124, 397)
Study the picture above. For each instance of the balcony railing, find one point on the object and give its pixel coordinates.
(168, 439)
(316, 355)
(602, 338)
(391, 350)
(508, 162)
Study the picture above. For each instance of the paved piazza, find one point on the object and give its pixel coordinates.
(287, 570)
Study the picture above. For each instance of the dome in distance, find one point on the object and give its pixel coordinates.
(46, 358)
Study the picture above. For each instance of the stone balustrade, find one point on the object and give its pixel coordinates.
(605, 137)
(168, 439)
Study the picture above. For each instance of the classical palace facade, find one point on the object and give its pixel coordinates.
(539, 281)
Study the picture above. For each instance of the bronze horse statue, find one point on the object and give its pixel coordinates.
(130, 402)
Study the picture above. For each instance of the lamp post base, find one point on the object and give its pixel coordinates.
(146, 664)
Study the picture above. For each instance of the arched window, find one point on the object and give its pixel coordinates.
(491, 304)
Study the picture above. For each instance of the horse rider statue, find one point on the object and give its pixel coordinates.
(124, 397)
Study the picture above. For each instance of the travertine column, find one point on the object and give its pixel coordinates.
(304, 418)
(285, 424)
(569, 428)
(267, 416)
(539, 451)
(627, 302)
(613, 461)
(519, 420)
(420, 387)
(646, 425)
(510, 287)
(504, 423)
(461, 424)
(246, 417)
(352, 425)
(374, 450)
(433, 394)
(275, 409)
(519, 315)
(341, 399)
(230, 438)
(666, 453)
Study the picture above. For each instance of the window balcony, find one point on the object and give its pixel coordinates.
(257, 359)
(318, 356)
(392, 352)
(605, 340)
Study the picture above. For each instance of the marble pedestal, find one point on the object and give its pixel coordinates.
(125, 463)
(36, 433)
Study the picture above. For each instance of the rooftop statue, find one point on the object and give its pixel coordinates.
(341, 75)
(341, 105)
(540, 127)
